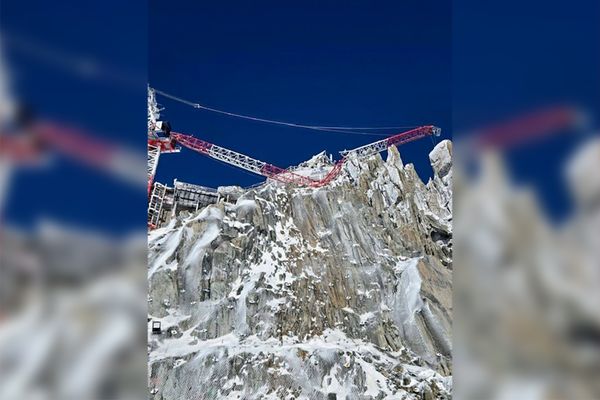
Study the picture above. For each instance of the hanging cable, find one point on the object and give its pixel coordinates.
(352, 130)
(348, 132)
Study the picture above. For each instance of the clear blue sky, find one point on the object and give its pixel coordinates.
(352, 63)
(315, 62)
(326, 63)
(113, 35)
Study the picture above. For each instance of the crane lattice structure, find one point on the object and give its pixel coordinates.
(286, 176)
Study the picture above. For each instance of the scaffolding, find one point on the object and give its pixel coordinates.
(193, 197)
(155, 204)
(167, 202)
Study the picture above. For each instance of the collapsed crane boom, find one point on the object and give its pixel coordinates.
(286, 176)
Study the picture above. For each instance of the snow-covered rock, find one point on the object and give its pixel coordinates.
(317, 160)
(299, 293)
(441, 158)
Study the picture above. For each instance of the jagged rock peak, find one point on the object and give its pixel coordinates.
(317, 160)
(342, 291)
(393, 157)
(441, 158)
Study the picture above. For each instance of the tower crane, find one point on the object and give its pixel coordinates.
(162, 140)
(157, 144)
(169, 141)
(169, 144)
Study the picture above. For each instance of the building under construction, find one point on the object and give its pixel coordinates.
(166, 202)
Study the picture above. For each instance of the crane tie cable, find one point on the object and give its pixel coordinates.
(352, 130)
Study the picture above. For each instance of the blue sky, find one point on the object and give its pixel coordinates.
(112, 35)
(360, 63)
(322, 63)
(314, 63)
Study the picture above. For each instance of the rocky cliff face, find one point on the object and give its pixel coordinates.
(341, 292)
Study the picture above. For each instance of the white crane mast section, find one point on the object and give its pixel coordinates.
(153, 110)
(153, 155)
